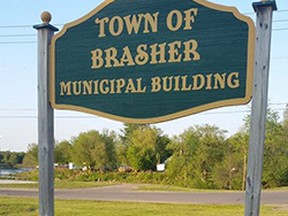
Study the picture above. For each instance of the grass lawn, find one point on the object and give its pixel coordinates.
(27, 207)
(61, 184)
(68, 184)
(171, 188)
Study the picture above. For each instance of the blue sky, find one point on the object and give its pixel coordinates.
(18, 71)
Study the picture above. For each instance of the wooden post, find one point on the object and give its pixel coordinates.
(264, 10)
(45, 120)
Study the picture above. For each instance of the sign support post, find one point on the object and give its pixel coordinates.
(264, 10)
(45, 120)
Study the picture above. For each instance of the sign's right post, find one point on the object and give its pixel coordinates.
(264, 10)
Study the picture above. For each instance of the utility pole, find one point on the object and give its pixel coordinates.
(264, 10)
(45, 119)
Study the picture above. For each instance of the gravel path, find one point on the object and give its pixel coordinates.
(129, 192)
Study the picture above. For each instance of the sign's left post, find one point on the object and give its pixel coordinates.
(45, 119)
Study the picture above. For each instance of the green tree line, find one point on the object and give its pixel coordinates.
(10, 159)
(201, 157)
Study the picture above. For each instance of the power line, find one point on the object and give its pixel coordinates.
(61, 24)
(22, 26)
(17, 42)
(280, 29)
(57, 117)
(15, 26)
(18, 109)
(34, 109)
(34, 42)
(284, 20)
(33, 35)
(282, 11)
(278, 11)
(92, 117)
(18, 35)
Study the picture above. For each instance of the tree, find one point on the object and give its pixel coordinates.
(111, 140)
(181, 166)
(129, 129)
(210, 151)
(231, 172)
(141, 152)
(285, 118)
(143, 146)
(195, 154)
(163, 153)
(275, 164)
(63, 152)
(31, 157)
(94, 150)
(124, 142)
(11, 159)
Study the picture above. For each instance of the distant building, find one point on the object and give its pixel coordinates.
(160, 167)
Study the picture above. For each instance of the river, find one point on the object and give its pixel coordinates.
(8, 172)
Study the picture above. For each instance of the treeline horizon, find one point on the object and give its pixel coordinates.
(200, 157)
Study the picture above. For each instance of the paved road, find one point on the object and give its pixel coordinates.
(128, 192)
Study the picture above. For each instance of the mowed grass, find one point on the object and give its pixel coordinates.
(66, 184)
(171, 188)
(27, 207)
(61, 184)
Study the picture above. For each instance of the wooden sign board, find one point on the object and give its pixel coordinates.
(147, 61)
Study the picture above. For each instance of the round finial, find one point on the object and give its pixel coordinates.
(46, 17)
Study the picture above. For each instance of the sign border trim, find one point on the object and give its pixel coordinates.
(183, 113)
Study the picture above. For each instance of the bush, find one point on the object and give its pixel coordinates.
(28, 176)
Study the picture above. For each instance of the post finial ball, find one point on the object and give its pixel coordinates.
(46, 17)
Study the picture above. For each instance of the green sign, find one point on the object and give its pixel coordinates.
(146, 61)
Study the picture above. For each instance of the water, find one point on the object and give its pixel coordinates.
(7, 172)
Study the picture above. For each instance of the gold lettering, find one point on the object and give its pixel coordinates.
(233, 80)
(191, 48)
(154, 54)
(219, 79)
(151, 21)
(167, 86)
(184, 84)
(198, 82)
(111, 55)
(96, 83)
(97, 60)
(189, 18)
(174, 55)
(127, 57)
(120, 83)
(130, 86)
(176, 87)
(104, 86)
(209, 83)
(134, 24)
(87, 87)
(65, 88)
(160, 53)
(169, 20)
(139, 86)
(77, 87)
(142, 57)
(155, 84)
(112, 26)
(102, 25)
(112, 86)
